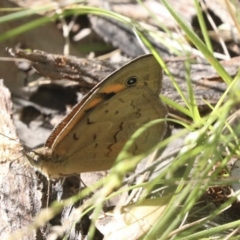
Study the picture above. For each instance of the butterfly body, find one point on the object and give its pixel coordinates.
(92, 135)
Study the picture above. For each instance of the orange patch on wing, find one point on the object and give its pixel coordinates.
(94, 102)
(113, 88)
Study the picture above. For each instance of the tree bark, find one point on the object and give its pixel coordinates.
(20, 192)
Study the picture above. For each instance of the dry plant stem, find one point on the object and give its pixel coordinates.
(234, 232)
(224, 47)
(231, 12)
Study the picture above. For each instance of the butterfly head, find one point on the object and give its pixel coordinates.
(34, 158)
(44, 161)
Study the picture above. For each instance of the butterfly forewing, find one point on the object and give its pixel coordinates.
(112, 84)
(101, 126)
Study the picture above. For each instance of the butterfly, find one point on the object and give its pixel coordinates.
(95, 131)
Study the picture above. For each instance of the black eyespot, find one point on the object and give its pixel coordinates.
(131, 81)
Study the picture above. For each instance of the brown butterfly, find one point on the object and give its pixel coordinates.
(92, 135)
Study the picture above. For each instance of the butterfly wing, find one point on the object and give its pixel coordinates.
(146, 68)
(96, 131)
(95, 142)
(102, 153)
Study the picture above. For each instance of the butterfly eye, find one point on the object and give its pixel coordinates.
(33, 158)
(131, 81)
